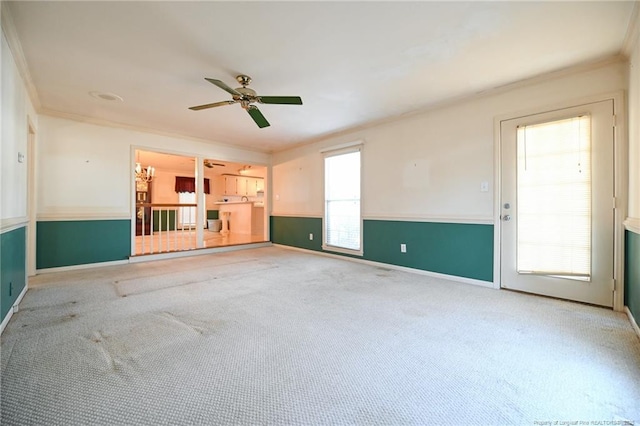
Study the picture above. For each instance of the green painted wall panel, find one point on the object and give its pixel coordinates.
(632, 274)
(13, 268)
(464, 250)
(294, 231)
(160, 220)
(78, 242)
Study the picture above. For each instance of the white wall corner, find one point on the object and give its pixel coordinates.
(633, 31)
(11, 35)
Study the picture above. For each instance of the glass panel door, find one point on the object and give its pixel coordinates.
(556, 201)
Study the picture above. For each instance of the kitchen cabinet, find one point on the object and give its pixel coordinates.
(242, 185)
(230, 185)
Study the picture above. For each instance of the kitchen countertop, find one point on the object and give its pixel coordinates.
(234, 202)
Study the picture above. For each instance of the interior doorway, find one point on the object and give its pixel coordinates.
(170, 216)
(557, 203)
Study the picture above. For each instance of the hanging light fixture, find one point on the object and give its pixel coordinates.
(244, 170)
(146, 174)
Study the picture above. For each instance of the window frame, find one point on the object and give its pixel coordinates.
(333, 152)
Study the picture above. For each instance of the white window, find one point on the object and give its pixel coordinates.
(554, 198)
(187, 215)
(342, 213)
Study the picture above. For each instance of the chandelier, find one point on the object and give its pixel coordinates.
(144, 175)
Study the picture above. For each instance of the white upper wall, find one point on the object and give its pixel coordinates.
(86, 170)
(431, 165)
(16, 112)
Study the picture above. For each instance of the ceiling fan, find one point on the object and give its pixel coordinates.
(247, 97)
(210, 164)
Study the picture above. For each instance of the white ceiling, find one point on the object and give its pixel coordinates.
(352, 63)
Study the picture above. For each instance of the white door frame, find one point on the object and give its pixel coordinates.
(31, 197)
(621, 164)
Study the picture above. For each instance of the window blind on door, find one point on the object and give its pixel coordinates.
(554, 198)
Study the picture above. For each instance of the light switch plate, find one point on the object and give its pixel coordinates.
(484, 187)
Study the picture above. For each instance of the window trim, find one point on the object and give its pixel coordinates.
(342, 149)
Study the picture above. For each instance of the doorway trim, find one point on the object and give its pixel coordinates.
(31, 197)
(620, 178)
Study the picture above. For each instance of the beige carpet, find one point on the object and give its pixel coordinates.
(274, 336)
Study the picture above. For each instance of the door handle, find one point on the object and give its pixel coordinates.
(506, 217)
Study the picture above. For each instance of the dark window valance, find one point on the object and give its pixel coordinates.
(188, 184)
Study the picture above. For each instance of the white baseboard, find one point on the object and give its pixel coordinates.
(14, 308)
(472, 281)
(195, 252)
(634, 324)
(82, 266)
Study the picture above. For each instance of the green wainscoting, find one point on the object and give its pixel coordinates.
(632, 273)
(13, 270)
(463, 250)
(460, 249)
(79, 242)
(294, 231)
(160, 220)
(212, 214)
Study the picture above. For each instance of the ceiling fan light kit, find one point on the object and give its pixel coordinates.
(247, 97)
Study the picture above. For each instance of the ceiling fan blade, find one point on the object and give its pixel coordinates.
(215, 104)
(283, 100)
(223, 86)
(257, 116)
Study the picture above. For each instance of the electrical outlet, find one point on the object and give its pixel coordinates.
(403, 248)
(311, 236)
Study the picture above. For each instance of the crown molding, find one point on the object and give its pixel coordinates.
(11, 35)
(106, 123)
(631, 37)
(445, 103)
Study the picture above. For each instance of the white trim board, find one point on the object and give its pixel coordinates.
(487, 284)
(62, 217)
(301, 215)
(473, 220)
(632, 224)
(8, 225)
(14, 308)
